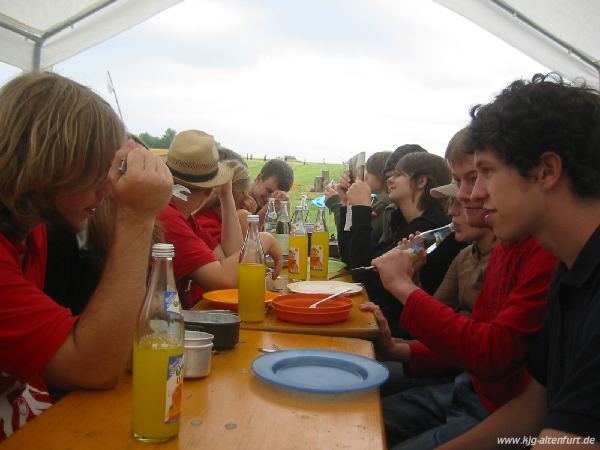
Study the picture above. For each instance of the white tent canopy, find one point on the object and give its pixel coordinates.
(561, 34)
(36, 34)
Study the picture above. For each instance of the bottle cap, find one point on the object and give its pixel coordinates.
(162, 250)
(252, 218)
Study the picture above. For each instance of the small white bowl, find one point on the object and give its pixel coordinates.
(196, 362)
(195, 338)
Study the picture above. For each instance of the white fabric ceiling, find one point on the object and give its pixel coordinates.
(560, 34)
(40, 33)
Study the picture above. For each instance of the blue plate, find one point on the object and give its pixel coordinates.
(320, 370)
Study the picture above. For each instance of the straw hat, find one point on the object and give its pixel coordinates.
(194, 161)
(447, 190)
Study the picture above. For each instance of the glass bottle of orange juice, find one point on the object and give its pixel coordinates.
(158, 354)
(298, 250)
(319, 247)
(251, 276)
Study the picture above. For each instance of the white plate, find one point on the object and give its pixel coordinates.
(323, 287)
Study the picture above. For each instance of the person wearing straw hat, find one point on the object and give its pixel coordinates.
(200, 263)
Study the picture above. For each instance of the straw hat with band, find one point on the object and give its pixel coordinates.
(447, 190)
(194, 161)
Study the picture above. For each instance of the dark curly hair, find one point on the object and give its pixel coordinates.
(529, 118)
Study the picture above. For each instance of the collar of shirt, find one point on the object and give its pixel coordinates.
(586, 263)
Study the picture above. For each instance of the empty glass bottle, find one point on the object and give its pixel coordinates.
(270, 222)
(283, 228)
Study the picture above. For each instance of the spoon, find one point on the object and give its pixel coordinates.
(315, 304)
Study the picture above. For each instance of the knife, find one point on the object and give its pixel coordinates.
(362, 269)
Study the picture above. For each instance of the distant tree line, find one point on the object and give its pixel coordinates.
(158, 142)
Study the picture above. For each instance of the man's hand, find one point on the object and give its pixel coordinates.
(146, 186)
(343, 185)
(271, 247)
(386, 344)
(359, 194)
(329, 191)
(247, 202)
(396, 271)
(224, 191)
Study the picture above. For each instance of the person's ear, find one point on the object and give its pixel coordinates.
(550, 170)
(421, 182)
(258, 179)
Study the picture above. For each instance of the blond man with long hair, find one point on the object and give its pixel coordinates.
(61, 149)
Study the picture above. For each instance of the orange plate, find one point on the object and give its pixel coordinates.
(312, 317)
(228, 298)
(301, 302)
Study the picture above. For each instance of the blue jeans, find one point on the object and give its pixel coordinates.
(427, 416)
(398, 381)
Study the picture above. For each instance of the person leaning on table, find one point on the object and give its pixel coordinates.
(200, 262)
(61, 148)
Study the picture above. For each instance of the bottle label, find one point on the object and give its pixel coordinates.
(174, 388)
(171, 302)
(316, 257)
(294, 260)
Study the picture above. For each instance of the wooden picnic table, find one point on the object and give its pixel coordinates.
(230, 409)
(360, 324)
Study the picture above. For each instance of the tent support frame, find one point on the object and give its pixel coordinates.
(40, 39)
(572, 51)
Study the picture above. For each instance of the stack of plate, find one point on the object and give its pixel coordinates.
(295, 308)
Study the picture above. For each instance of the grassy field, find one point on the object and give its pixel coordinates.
(304, 176)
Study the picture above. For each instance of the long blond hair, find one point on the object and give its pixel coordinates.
(55, 134)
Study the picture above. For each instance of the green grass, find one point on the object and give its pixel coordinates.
(304, 176)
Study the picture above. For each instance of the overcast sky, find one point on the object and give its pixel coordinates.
(317, 79)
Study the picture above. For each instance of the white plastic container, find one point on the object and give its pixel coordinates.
(196, 362)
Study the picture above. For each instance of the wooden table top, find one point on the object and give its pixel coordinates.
(360, 324)
(230, 409)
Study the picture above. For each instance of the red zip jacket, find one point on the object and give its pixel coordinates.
(491, 344)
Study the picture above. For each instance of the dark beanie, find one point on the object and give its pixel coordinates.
(401, 151)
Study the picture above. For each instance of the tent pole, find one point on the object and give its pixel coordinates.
(37, 56)
(517, 15)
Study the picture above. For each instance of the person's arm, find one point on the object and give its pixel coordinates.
(223, 274)
(231, 233)
(96, 352)
(487, 349)
(242, 215)
(393, 349)
(522, 416)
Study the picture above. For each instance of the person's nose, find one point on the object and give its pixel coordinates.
(390, 181)
(455, 208)
(479, 192)
(464, 192)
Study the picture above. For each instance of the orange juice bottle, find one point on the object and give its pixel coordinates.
(158, 354)
(298, 249)
(251, 276)
(319, 247)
